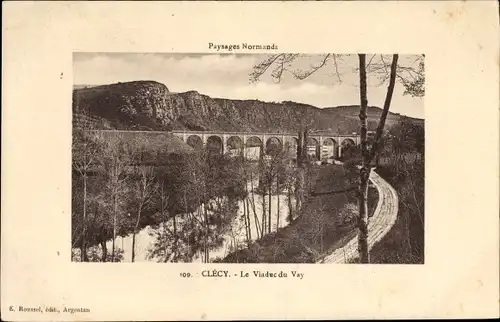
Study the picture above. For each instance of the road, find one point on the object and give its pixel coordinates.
(379, 224)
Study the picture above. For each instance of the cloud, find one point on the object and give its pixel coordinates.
(171, 69)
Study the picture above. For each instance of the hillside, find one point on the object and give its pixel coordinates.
(149, 105)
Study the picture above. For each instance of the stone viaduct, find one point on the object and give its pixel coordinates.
(319, 144)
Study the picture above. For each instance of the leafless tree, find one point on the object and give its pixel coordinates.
(115, 159)
(86, 147)
(413, 80)
(144, 188)
(258, 227)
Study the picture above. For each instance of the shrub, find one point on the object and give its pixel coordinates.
(346, 215)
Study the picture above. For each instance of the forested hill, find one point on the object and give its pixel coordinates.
(149, 105)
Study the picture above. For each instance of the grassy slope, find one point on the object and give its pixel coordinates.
(405, 241)
(316, 230)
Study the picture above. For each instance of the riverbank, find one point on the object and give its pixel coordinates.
(153, 242)
(326, 222)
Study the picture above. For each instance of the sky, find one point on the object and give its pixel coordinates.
(227, 76)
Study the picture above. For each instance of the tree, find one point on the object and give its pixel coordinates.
(115, 159)
(262, 189)
(407, 142)
(246, 166)
(416, 85)
(271, 171)
(86, 148)
(289, 185)
(413, 80)
(202, 190)
(163, 203)
(302, 174)
(258, 227)
(144, 189)
(98, 216)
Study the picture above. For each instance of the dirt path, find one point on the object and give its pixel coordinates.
(379, 224)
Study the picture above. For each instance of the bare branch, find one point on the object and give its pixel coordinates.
(336, 67)
(262, 67)
(369, 63)
(280, 68)
(301, 75)
(412, 77)
(410, 70)
(384, 63)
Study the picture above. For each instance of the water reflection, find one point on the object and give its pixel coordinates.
(236, 236)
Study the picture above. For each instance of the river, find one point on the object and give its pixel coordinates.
(235, 238)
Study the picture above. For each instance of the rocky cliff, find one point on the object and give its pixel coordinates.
(149, 105)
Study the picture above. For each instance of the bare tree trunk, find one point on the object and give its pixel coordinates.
(114, 226)
(135, 232)
(363, 216)
(263, 192)
(246, 213)
(176, 238)
(297, 191)
(304, 146)
(104, 251)
(206, 233)
(84, 241)
(278, 205)
(258, 228)
(264, 214)
(303, 177)
(364, 173)
(299, 149)
(300, 187)
(248, 220)
(270, 206)
(133, 246)
(367, 156)
(387, 104)
(256, 218)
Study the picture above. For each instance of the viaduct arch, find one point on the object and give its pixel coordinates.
(320, 146)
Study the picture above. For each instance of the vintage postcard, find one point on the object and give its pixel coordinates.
(218, 161)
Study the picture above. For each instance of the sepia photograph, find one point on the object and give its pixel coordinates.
(248, 158)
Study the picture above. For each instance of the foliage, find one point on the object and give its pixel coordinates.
(402, 164)
(125, 193)
(416, 86)
(347, 215)
(406, 240)
(408, 136)
(94, 254)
